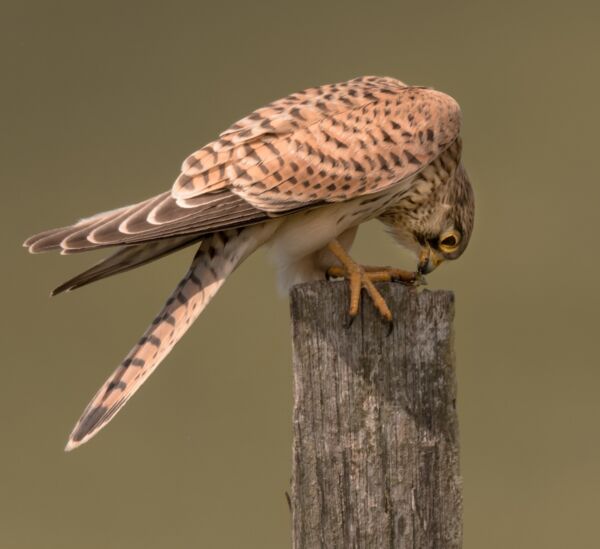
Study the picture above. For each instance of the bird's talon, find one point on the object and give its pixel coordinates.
(390, 328)
(360, 277)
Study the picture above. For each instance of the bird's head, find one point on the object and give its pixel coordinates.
(439, 230)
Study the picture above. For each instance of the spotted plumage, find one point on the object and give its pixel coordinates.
(299, 175)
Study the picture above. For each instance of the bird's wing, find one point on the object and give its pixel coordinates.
(325, 144)
(157, 218)
(127, 258)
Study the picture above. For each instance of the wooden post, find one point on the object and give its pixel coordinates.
(375, 452)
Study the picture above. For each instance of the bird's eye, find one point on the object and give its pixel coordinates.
(449, 241)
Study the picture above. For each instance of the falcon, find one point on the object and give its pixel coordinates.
(298, 176)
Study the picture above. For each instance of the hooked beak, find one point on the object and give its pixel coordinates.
(428, 261)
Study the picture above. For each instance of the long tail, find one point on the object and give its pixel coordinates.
(216, 258)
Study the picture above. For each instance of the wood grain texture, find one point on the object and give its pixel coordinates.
(375, 452)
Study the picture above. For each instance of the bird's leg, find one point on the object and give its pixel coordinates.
(361, 276)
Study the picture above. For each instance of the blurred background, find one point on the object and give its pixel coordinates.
(101, 101)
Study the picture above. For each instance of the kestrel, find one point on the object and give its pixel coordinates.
(299, 176)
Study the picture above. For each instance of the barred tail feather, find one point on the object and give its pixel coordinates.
(216, 258)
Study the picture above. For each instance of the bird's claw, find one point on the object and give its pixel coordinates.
(349, 321)
(360, 279)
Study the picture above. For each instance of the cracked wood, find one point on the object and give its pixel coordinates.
(375, 451)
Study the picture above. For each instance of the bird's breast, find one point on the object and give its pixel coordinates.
(306, 232)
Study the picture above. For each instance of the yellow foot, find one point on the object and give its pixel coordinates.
(382, 274)
(364, 277)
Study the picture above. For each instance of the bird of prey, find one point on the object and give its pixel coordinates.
(299, 176)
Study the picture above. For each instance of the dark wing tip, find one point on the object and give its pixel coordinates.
(60, 289)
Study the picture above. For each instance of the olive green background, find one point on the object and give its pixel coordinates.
(101, 101)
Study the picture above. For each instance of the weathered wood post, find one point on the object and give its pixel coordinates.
(375, 452)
